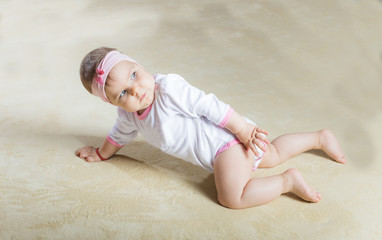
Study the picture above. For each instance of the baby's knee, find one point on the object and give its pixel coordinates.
(229, 201)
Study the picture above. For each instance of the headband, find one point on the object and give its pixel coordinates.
(102, 71)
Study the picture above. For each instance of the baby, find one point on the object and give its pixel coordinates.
(185, 122)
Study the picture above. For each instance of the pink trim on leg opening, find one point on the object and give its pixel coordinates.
(226, 146)
(257, 163)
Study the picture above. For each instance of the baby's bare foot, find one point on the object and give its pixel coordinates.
(296, 184)
(329, 144)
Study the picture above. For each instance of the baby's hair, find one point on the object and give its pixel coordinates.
(89, 65)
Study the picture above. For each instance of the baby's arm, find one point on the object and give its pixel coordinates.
(89, 154)
(248, 134)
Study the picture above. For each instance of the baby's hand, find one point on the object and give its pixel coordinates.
(258, 137)
(252, 136)
(88, 153)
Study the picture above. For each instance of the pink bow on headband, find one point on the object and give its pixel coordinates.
(99, 72)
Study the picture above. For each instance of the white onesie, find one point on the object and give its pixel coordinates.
(182, 121)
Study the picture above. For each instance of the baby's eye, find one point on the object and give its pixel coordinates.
(132, 76)
(122, 93)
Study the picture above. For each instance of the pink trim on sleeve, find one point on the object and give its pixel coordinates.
(113, 142)
(226, 118)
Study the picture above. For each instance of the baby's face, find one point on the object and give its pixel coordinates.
(130, 87)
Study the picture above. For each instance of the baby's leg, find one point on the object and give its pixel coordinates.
(289, 145)
(236, 189)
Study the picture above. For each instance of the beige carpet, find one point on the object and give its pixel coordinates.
(288, 65)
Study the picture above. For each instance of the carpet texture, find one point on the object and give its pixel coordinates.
(290, 66)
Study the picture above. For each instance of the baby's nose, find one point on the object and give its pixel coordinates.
(134, 90)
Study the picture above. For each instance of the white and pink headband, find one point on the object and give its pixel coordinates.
(102, 71)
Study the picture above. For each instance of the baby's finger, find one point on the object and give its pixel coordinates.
(253, 132)
(254, 149)
(89, 159)
(261, 136)
(92, 159)
(82, 154)
(259, 130)
(260, 144)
